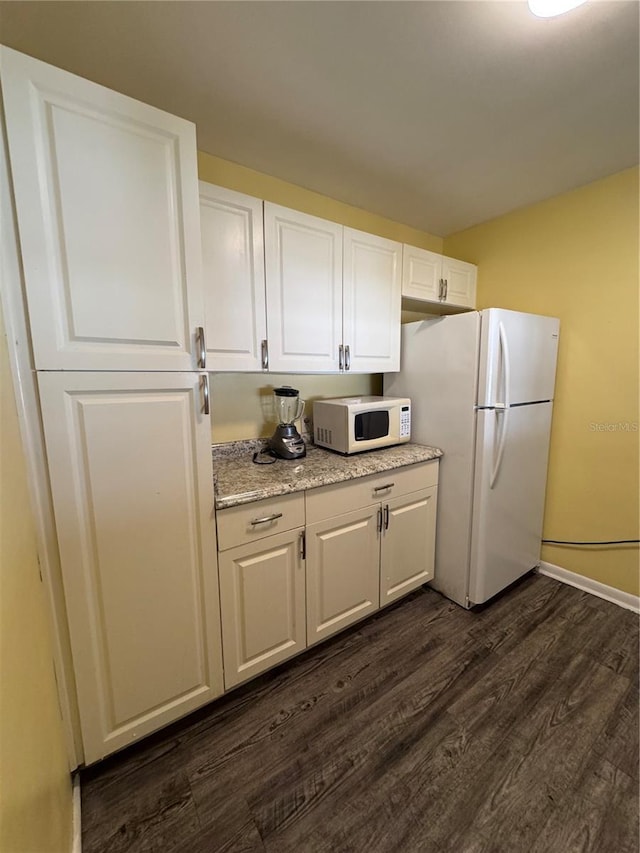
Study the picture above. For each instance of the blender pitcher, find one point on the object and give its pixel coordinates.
(286, 442)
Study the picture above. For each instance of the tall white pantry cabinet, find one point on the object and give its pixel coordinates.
(106, 201)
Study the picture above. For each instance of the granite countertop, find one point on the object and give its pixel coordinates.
(238, 480)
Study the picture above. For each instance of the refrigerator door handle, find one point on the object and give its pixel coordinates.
(504, 414)
(502, 409)
(506, 366)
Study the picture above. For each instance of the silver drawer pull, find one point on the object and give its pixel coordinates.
(267, 518)
(382, 488)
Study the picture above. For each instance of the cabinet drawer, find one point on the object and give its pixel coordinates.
(245, 523)
(328, 501)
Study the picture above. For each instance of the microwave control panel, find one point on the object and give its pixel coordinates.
(405, 421)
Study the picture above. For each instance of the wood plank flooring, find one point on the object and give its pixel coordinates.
(426, 728)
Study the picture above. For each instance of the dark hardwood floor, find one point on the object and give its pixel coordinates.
(425, 728)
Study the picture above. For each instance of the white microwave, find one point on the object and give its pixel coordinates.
(354, 424)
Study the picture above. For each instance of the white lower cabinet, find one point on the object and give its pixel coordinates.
(262, 585)
(130, 466)
(342, 571)
(262, 595)
(362, 559)
(407, 546)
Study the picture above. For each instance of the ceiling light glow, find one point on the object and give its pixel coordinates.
(549, 8)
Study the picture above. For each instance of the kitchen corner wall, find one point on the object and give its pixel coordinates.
(575, 256)
(35, 784)
(241, 401)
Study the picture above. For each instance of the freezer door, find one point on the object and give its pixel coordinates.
(518, 355)
(509, 492)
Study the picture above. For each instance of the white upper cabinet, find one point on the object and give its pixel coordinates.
(233, 279)
(421, 274)
(303, 264)
(372, 281)
(430, 277)
(106, 196)
(459, 282)
(331, 295)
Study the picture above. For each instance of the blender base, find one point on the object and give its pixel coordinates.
(287, 443)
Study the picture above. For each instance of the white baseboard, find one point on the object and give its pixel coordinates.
(601, 590)
(76, 845)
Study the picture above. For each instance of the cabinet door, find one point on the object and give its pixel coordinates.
(408, 543)
(130, 466)
(106, 194)
(233, 278)
(262, 599)
(460, 282)
(372, 282)
(303, 259)
(421, 274)
(343, 558)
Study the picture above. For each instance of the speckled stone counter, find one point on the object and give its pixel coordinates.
(238, 480)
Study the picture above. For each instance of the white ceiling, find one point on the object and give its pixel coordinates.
(436, 114)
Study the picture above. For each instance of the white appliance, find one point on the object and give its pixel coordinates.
(482, 386)
(353, 424)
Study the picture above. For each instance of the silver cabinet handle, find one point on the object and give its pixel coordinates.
(266, 518)
(383, 488)
(200, 340)
(205, 394)
(446, 287)
(379, 522)
(386, 517)
(265, 354)
(340, 357)
(441, 289)
(347, 358)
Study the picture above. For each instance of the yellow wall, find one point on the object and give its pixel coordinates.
(241, 401)
(239, 178)
(35, 785)
(575, 257)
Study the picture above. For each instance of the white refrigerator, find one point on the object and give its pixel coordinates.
(481, 386)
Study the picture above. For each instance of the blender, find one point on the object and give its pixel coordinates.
(286, 442)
